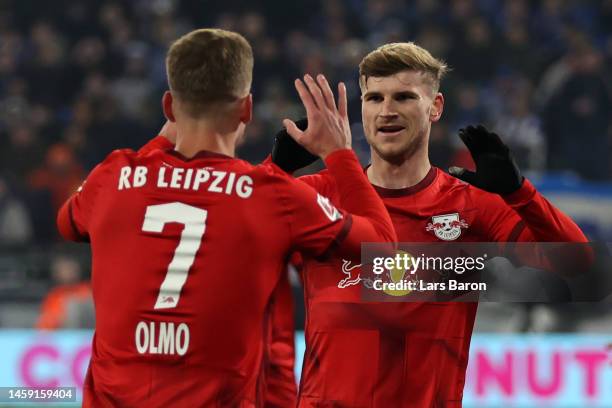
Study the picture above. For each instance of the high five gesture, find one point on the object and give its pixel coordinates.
(328, 125)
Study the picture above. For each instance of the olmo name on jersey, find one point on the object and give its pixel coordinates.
(162, 338)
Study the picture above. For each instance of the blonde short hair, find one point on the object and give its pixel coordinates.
(389, 59)
(209, 67)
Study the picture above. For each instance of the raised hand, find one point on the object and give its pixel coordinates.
(496, 170)
(328, 126)
(288, 154)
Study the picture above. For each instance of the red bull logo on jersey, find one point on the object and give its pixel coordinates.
(447, 227)
(352, 272)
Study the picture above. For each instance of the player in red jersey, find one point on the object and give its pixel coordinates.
(412, 354)
(188, 244)
(276, 382)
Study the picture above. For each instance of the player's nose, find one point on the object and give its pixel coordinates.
(387, 108)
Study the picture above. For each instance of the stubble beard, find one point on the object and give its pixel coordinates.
(396, 155)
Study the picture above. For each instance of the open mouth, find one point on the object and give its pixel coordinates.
(390, 129)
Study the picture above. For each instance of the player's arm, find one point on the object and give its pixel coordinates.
(522, 214)
(328, 136)
(541, 221)
(535, 219)
(315, 227)
(74, 217)
(359, 198)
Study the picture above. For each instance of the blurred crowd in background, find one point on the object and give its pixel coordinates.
(79, 78)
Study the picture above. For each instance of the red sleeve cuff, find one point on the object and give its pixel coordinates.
(522, 196)
(66, 225)
(340, 156)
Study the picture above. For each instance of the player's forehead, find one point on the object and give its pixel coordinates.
(407, 80)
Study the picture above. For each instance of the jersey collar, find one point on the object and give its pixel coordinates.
(199, 155)
(402, 192)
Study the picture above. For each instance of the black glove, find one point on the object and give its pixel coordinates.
(288, 154)
(496, 170)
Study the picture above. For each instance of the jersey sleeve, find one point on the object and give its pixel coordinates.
(357, 196)
(314, 224)
(526, 216)
(317, 226)
(502, 222)
(74, 217)
(322, 182)
(543, 221)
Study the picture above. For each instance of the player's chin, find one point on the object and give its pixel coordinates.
(390, 151)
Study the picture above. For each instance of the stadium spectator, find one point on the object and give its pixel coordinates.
(522, 129)
(60, 174)
(577, 117)
(23, 153)
(110, 54)
(48, 58)
(69, 303)
(15, 224)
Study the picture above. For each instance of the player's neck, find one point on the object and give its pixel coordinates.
(401, 174)
(196, 136)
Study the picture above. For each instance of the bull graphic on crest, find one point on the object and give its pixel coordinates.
(447, 227)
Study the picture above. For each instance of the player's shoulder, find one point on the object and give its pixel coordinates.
(452, 186)
(119, 156)
(446, 181)
(277, 183)
(113, 160)
(323, 182)
(271, 173)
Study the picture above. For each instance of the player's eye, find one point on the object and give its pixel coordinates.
(405, 96)
(373, 98)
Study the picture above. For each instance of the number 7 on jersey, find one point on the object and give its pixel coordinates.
(194, 220)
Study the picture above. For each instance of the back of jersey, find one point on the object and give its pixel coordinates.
(185, 256)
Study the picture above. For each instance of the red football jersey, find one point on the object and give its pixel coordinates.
(277, 385)
(408, 354)
(185, 255)
(279, 388)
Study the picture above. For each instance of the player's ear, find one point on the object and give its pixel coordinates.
(437, 107)
(246, 110)
(167, 101)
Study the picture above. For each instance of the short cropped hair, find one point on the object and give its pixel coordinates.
(389, 59)
(209, 67)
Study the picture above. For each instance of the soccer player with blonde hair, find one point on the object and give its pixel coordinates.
(411, 354)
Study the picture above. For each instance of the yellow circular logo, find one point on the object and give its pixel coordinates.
(396, 276)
